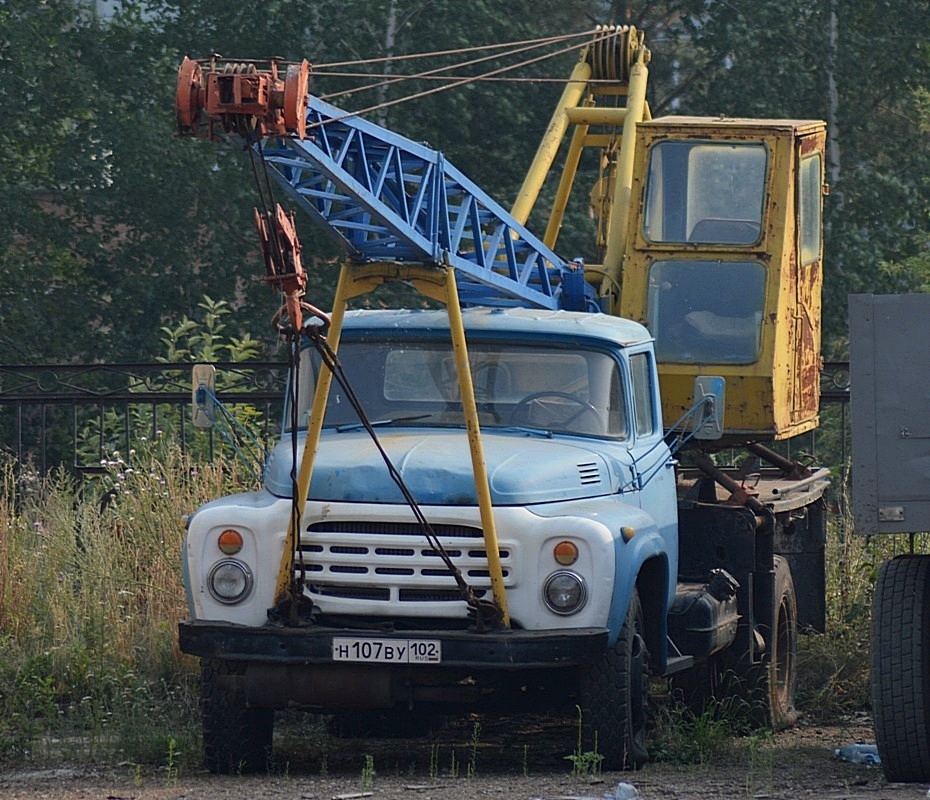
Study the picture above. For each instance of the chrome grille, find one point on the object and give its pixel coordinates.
(394, 562)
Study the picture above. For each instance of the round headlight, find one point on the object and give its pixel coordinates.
(229, 581)
(564, 592)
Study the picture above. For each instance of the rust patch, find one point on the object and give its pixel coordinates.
(809, 357)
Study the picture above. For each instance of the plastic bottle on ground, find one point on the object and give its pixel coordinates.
(859, 754)
(624, 791)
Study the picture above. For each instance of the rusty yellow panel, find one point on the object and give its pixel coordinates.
(723, 264)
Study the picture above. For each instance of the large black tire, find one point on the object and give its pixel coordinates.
(615, 698)
(901, 668)
(779, 674)
(236, 739)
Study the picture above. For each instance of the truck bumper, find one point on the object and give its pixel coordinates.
(294, 667)
(503, 649)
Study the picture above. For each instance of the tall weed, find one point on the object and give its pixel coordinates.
(90, 596)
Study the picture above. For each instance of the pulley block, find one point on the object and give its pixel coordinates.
(614, 51)
(248, 98)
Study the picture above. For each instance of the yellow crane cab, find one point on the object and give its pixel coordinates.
(723, 264)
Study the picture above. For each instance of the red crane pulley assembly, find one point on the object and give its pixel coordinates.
(249, 98)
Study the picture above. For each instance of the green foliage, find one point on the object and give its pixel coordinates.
(368, 772)
(911, 273)
(27, 698)
(113, 438)
(204, 342)
(114, 227)
(433, 770)
(171, 766)
(585, 763)
(833, 668)
(113, 224)
(686, 738)
(472, 769)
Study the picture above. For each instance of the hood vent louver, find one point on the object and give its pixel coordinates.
(589, 474)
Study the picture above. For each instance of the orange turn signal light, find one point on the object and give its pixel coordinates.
(230, 541)
(565, 553)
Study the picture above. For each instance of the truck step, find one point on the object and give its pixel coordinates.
(678, 664)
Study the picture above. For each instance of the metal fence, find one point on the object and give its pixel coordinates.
(78, 415)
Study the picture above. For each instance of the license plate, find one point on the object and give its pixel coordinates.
(387, 651)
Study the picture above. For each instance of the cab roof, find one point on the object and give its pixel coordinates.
(617, 331)
(724, 123)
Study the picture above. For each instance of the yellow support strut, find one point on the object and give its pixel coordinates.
(439, 284)
(636, 112)
(549, 147)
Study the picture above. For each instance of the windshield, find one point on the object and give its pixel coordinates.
(410, 383)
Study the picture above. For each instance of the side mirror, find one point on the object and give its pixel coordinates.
(203, 407)
(709, 400)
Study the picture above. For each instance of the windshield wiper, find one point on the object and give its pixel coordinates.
(357, 426)
(545, 433)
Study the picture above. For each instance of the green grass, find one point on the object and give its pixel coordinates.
(585, 763)
(91, 593)
(833, 668)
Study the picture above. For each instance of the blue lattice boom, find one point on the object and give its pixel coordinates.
(388, 198)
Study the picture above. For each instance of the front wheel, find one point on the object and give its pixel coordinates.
(614, 697)
(236, 739)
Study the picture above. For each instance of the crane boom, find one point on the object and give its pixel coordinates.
(386, 197)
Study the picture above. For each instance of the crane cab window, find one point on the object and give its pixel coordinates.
(705, 193)
(810, 193)
(706, 312)
(642, 384)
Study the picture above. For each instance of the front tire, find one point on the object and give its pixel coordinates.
(901, 668)
(614, 697)
(236, 739)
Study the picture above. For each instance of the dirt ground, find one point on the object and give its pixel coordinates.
(495, 762)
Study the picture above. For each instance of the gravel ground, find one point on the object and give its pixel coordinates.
(796, 764)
